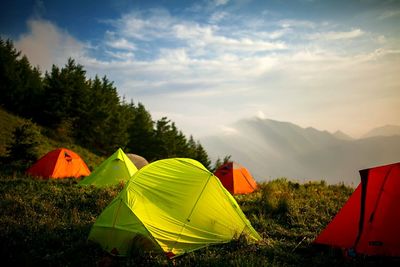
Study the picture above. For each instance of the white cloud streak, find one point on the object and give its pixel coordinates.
(293, 23)
(331, 36)
(201, 37)
(389, 14)
(220, 2)
(121, 43)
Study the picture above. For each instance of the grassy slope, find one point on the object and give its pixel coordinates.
(8, 122)
(47, 223)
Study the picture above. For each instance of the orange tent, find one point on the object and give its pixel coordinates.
(236, 178)
(59, 163)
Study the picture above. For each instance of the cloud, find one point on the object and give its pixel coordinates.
(206, 73)
(275, 34)
(293, 23)
(198, 40)
(208, 62)
(174, 56)
(207, 5)
(121, 56)
(45, 44)
(389, 14)
(330, 36)
(376, 55)
(381, 39)
(199, 36)
(260, 115)
(218, 16)
(228, 130)
(149, 25)
(220, 2)
(119, 43)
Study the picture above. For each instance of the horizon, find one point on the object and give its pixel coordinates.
(330, 65)
(227, 130)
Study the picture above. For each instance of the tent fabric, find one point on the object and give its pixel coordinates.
(342, 231)
(236, 178)
(177, 206)
(368, 222)
(139, 161)
(114, 170)
(59, 163)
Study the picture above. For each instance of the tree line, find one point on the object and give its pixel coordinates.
(88, 111)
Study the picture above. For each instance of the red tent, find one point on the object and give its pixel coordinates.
(59, 163)
(369, 221)
(236, 178)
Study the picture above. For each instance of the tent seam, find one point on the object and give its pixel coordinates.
(247, 180)
(194, 206)
(380, 195)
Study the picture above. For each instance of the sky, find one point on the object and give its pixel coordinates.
(329, 64)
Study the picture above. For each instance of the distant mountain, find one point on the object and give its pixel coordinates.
(341, 135)
(273, 149)
(387, 130)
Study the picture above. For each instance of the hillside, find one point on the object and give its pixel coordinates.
(387, 130)
(77, 108)
(46, 223)
(273, 149)
(8, 122)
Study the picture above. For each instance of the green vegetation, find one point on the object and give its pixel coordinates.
(9, 123)
(23, 150)
(88, 111)
(47, 223)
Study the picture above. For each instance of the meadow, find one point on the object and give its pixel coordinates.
(46, 223)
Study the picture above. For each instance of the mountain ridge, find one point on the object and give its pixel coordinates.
(386, 130)
(271, 149)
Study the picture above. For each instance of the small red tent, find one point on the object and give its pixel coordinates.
(236, 178)
(59, 163)
(369, 221)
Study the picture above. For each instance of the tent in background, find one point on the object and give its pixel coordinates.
(172, 205)
(114, 170)
(139, 161)
(236, 178)
(59, 163)
(369, 222)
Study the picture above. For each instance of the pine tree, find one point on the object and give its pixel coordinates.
(21, 85)
(164, 148)
(23, 151)
(141, 133)
(201, 156)
(9, 85)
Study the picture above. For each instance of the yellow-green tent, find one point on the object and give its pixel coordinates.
(175, 205)
(114, 170)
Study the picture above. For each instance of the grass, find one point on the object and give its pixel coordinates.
(47, 223)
